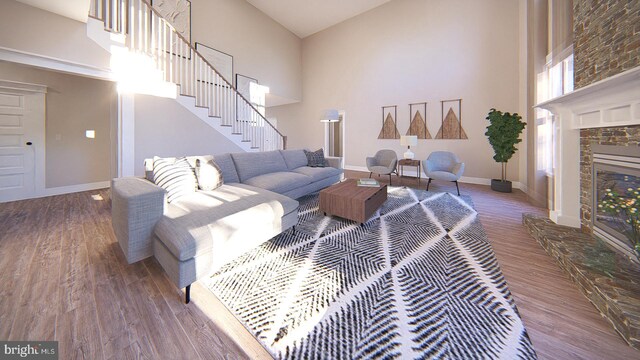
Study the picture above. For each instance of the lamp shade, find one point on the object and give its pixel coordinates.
(409, 140)
(330, 115)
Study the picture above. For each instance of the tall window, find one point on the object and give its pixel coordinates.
(257, 96)
(556, 80)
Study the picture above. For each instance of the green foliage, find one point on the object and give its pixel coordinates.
(503, 132)
(625, 212)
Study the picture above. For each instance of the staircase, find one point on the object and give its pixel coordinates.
(144, 32)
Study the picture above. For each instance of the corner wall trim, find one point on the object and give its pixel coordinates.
(46, 62)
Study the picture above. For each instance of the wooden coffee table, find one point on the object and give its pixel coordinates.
(350, 201)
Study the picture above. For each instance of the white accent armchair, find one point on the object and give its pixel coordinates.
(383, 163)
(443, 165)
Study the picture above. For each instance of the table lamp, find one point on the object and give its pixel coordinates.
(409, 141)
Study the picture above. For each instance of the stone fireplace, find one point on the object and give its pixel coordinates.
(616, 168)
(604, 113)
(597, 147)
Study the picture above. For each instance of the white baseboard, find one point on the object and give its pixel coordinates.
(485, 181)
(524, 188)
(356, 168)
(477, 180)
(75, 188)
(61, 190)
(463, 179)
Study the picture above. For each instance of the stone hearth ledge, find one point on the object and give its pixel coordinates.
(609, 280)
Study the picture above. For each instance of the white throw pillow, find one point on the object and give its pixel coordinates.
(208, 174)
(175, 176)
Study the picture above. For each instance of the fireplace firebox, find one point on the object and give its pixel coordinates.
(616, 168)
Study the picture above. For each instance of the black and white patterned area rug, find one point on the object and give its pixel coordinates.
(418, 280)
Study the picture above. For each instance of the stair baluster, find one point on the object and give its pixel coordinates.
(149, 34)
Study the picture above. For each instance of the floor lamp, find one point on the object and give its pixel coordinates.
(330, 117)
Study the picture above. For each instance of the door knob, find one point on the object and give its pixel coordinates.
(29, 143)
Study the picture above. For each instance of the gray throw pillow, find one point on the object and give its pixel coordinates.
(315, 158)
(175, 176)
(208, 174)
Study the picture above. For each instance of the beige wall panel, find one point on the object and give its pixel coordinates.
(410, 51)
(40, 32)
(164, 128)
(261, 48)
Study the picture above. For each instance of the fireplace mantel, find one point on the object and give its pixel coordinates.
(611, 102)
(614, 101)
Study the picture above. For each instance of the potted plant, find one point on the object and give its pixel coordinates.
(504, 133)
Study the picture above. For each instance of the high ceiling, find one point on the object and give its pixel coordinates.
(302, 17)
(306, 17)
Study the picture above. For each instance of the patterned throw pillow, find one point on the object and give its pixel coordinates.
(208, 174)
(315, 158)
(175, 176)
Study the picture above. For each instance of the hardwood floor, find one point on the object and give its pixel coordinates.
(65, 278)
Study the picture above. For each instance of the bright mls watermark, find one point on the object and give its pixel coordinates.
(38, 350)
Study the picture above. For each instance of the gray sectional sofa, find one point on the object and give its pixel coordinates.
(196, 234)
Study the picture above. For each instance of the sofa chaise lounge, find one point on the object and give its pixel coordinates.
(196, 234)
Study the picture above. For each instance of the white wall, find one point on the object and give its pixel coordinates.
(261, 48)
(36, 31)
(164, 128)
(409, 51)
(73, 105)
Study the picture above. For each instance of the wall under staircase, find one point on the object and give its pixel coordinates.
(158, 134)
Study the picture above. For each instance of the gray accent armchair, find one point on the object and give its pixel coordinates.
(383, 163)
(443, 165)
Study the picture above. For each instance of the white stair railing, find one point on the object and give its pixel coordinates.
(148, 33)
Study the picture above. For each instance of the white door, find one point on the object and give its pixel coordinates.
(22, 114)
